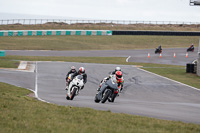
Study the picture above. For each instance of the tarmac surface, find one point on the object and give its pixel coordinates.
(136, 55)
(144, 94)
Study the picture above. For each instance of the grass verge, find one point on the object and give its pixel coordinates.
(20, 113)
(95, 42)
(178, 74)
(4, 63)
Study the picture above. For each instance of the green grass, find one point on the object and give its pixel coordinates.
(178, 74)
(20, 113)
(103, 60)
(94, 42)
(5, 63)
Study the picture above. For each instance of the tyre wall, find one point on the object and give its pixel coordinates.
(54, 32)
(162, 33)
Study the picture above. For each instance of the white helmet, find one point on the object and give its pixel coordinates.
(73, 67)
(117, 69)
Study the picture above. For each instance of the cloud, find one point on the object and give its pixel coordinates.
(106, 9)
(123, 1)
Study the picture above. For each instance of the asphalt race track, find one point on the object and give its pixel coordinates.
(144, 93)
(136, 55)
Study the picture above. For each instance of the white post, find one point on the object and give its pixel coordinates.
(198, 61)
(199, 50)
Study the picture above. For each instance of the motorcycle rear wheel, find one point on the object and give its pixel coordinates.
(113, 97)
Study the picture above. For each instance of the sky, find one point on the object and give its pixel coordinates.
(137, 10)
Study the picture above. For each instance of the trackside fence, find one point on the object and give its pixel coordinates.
(70, 21)
(92, 32)
(157, 33)
(54, 32)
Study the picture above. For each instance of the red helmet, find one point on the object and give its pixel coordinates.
(118, 75)
(82, 70)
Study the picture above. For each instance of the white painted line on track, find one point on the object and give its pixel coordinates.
(128, 58)
(169, 79)
(36, 84)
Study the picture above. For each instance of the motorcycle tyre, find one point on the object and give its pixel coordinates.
(104, 99)
(67, 97)
(113, 98)
(73, 93)
(96, 100)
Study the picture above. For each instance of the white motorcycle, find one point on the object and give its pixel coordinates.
(74, 87)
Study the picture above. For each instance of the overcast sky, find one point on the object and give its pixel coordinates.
(153, 10)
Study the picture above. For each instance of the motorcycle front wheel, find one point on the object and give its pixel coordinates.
(73, 93)
(105, 96)
(96, 99)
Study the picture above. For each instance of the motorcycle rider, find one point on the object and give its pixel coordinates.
(116, 69)
(192, 46)
(159, 47)
(120, 80)
(72, 71)
(112, 73)
(117, 77)
(81, 71)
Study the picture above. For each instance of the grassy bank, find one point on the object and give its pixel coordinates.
(177, 73)
(95, 42)
(104, 26)
(20, 113)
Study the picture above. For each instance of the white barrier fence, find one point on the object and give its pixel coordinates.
(54, 32)
(67, 21)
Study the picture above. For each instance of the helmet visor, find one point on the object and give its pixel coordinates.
(119, 76)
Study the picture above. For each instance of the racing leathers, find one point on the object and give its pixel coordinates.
(192, 47)
(72, 72)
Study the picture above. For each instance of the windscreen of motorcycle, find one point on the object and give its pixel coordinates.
(80, 77)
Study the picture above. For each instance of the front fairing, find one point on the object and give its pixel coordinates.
(112, 84)
(77, 81)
